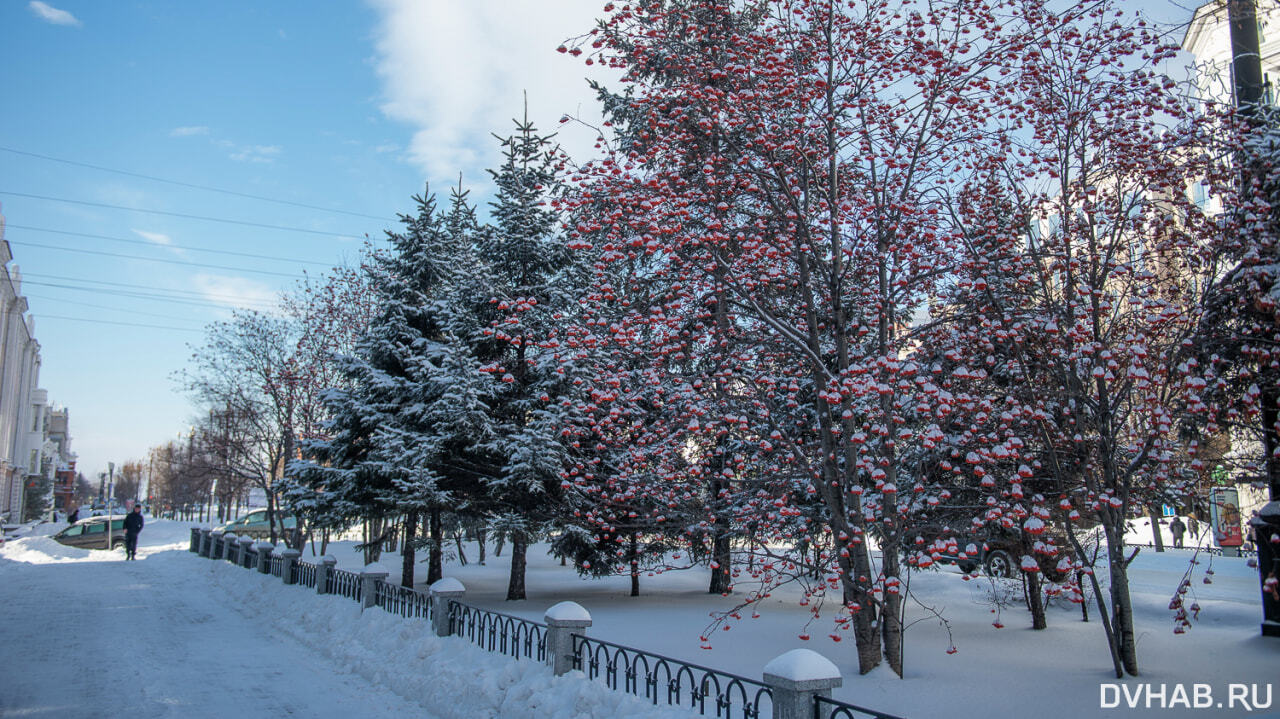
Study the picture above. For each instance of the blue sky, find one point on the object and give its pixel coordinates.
(348, 106)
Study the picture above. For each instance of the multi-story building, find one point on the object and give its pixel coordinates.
(64, 460)
(21, 405)
(1208, 39)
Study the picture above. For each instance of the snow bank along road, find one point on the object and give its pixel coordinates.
(87, 634)
(96, 636)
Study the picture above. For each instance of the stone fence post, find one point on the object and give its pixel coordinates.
(245, 543)
(290, 558)
(563, 620)
(444, 591)
(195, 540)
(369, 578)
(323, 570)
(230, 545)
(796, 677)
(264, 556)
(215, 544)
(204, 542)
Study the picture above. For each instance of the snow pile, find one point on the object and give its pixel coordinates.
(448, 676)
(802, 665)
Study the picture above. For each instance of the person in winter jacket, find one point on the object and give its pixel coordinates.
(132, 527)
(1177, 528)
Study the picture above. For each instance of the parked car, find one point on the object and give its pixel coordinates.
(254, 524)
(997, 552)
(92, 533)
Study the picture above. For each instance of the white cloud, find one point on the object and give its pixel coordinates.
(256, 153)
(189, 131)
(457, 72)
(52, 14)
(231, 291)
(154, 237)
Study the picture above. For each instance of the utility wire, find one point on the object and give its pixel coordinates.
(192, 185)
(149, 292)
(150, 288)
(243, 223)
(153, 259)
(173, 247)
(122, 324)
(146, 296)
(98, 306)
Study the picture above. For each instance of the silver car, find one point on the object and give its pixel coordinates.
(254, 524)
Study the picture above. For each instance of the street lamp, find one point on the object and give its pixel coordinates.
(111, 476)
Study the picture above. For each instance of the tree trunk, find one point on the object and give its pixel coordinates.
(891, 614)
(633, 554)
(480, 543)
(721, 556)
(375, 530)
(1122, 611)
(1157, 537)
(407, 551)
(1035, 599)
(435, 555)
(462, 554)
(515, 588)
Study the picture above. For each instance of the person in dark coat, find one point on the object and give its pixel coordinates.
(1177, 528)
(74, 516)
(132, 527)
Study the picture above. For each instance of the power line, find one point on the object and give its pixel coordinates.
(103, 307)
(192, 185)
(153, 259)
(175, 247)
(185, 216)
(149, 291)
(149, 296)
(123, 324)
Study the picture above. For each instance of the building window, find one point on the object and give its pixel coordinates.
(35, 462)
(35, 418)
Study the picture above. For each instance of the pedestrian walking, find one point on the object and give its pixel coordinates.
(1193, 526)
(132, 527)
(1178, 529)
(74, 516)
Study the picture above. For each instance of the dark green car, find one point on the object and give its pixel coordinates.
(92, 533)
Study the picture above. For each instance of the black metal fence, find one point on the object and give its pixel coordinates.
(408, 603)
(824, 708)
(653, 677)
(304, 573)
(663, 680)
(345, 584)
(1216, 551)
(497, 632)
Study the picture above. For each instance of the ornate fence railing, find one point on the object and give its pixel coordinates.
(1216, 551)
(402, 600)
(497, 632)
(824, 708)
(345, 584)
(663, 680)
(304, 573)
(652, 677)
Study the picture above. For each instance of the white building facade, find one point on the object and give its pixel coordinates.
(22, 404)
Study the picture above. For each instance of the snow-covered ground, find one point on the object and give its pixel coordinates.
(173, 635)
(86, 634)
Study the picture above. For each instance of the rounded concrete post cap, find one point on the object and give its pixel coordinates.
(447, 584)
